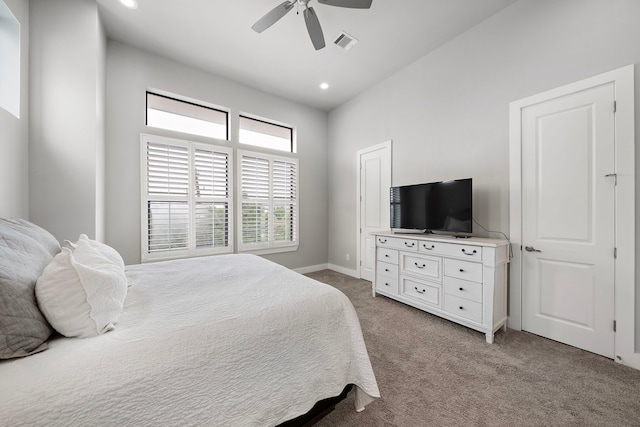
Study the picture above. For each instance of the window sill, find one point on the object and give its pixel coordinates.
(267, 251)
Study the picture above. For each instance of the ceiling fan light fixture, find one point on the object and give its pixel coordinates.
(310, 18)
(131, 4)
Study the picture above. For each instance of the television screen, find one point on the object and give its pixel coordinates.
(433, 207)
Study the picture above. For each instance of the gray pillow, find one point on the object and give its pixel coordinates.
(25, 250)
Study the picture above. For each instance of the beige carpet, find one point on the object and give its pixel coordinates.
(432, 372)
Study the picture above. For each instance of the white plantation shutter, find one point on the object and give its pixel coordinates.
(255, 199)
(211, 184)
(269, 203)
(167, 176)
(186, 198)
(285, 191)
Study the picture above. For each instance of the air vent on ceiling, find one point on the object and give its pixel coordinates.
(345, 41)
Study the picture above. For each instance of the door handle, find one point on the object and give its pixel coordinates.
(531, 249)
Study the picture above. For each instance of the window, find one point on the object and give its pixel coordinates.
(10, 62)
(268, 202)
(186, 200)
(266, 135)
(187, 117)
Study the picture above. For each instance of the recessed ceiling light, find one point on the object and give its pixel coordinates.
(131, 4)
(324, 86)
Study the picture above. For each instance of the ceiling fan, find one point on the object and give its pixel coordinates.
(310, 17)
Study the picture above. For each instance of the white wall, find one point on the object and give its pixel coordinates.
(67, 62)
(130, 73)
(448, 112)
(14, 132)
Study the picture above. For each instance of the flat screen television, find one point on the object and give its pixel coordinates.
(436, 207)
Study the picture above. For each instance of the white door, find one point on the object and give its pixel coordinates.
(568, 212)
(374, 166)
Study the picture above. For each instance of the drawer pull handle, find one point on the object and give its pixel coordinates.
(461, 308)
(386, 269)
(469, 253)
(386, 255)
(420, 266)
(427, 247)
(382, 241)
(462, 270)
(419, 291)
(462, 289)
(409, 245)
(386, 284)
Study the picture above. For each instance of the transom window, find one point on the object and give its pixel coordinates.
(263, 134)
(173, 114)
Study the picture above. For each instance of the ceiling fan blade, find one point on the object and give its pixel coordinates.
(313, 26)
(273, 16)
(354, 4)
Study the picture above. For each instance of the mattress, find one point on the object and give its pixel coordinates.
(231, 340)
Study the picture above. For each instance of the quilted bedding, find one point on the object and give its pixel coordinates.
(231, 340)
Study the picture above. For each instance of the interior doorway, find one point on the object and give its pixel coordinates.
(573, 214)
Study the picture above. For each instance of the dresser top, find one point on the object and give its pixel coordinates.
(471, 241)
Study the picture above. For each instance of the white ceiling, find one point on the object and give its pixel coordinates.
(216, 36)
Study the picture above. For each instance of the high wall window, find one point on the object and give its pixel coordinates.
(268, 201)
(186, 198)
(9, 61)
(264, 134)
(173, 114)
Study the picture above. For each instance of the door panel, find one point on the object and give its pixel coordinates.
(568, 219)
(375, 180)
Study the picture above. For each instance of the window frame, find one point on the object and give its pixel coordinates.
(191, 199)
(189, 102)
(271, 246)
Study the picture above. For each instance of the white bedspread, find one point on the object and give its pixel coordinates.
(232, 340)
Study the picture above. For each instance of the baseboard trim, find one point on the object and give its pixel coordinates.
(343, 270)
(311, 268)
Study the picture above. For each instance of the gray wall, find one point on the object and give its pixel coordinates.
(130, 72)
(447, 113)
(14, 132)
(66, 96)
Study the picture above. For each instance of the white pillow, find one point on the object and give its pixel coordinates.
(103, 248)
(81, 292)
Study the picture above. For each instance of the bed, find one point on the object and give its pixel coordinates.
(231, 340)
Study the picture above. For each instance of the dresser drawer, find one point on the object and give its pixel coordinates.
(427, 292)
(462, 288)
(388, 255)
(464, 270)
(463, 308)
(397, 243)
(387, 283)
(469, 252)
(386, 269)
(425, 266)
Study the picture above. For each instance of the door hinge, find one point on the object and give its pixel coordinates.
(614, 176)
(615, 106)
(614, 326)
(615, 253)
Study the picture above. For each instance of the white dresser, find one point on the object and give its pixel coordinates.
(462, 280)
